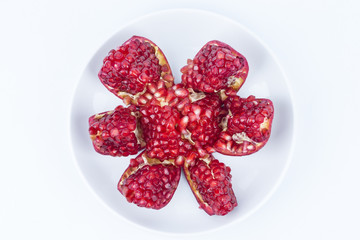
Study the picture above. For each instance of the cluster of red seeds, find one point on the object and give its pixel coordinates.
(247, 118)
(151, 186)
(161, 132)
(179, 125)
(212, 67)
(213, 182)
(113, 132)
(129, 62)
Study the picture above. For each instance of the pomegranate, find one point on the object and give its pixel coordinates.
(247, 127)
(179, 125)
(128, 69)
(148, 182)
(210, 181)
(117, 132)
(217, 67)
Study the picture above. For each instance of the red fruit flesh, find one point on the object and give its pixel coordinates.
(247, 127)
(128, 69)
(217, 66)
(148, 182)
(210, 181)
(116, 132)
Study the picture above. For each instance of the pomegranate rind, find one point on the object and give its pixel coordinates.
(226, 85)
(238, 143)
(148, 182)
(166, 75)
(213, 189)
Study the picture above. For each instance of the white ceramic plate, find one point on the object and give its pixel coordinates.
(180, 34)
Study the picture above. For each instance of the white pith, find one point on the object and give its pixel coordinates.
(194, 96)
(133, 96)
(265, 124)
(138, 131)
(187, 135)
(240, 138)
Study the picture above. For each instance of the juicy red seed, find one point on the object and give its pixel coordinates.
(150, 187)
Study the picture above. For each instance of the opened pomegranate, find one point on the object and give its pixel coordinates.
(116, 132)
(216, 67)
(210, 181)
(247, 127)
(148, 182)
(128, 69)
(179, 125)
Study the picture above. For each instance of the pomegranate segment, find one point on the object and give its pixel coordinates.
(216, 67)
(148, 182)
(210, 181)
(128, 69)
(203, 116)
(247, 127)
(116, 132)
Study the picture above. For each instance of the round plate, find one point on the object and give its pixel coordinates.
(181, 34)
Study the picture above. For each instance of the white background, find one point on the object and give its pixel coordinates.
(44, 49)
